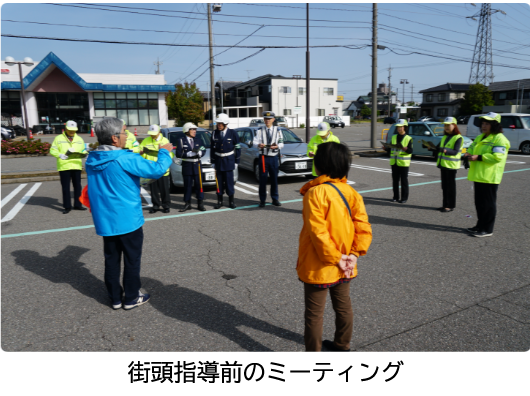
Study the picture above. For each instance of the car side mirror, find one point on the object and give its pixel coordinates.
(427, 133)
(512, 127)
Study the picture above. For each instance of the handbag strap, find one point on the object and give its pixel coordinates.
(342, 196)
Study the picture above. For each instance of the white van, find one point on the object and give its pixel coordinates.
(515, 126)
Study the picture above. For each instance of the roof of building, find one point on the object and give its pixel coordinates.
(431, 104)
(227, 84)
(452, 87)
(509, 85)
(266, 77)
(151, 83)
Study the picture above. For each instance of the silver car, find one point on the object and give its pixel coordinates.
(175, 170)
(293, 157)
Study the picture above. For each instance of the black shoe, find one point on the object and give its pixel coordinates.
(482, 234)
(444, 210)
(231, 203)
(394, 200)
(440, 209)
(275, 202)
(473, 229)
(219, 203)
(330, 345)
(402, 201)
(80, 208)
(66, 211)
(166, 210)
(187, 206)
(153, 210)
(200, 206)
(262, 204)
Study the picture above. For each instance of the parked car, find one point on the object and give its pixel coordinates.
(515, 126)
(175, 170)
(293, 156)
(389, 120)
(428, 131)
(427, 118)
(280, 121)
(7, 133)
(334, 121)
(463, 119)
(257, 122)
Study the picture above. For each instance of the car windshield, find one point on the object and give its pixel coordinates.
(259, 121)
(290, 137)
(174, 137)
(526, 122)
(437, 128)
(280, 119)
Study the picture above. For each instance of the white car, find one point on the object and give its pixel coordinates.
(515, 126)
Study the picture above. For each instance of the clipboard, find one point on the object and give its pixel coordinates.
(76, 155)
(428, 144)
(149, 151)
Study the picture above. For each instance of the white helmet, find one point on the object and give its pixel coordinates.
(187, 126)
(222, 118)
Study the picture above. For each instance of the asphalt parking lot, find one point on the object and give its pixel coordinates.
(225, 280)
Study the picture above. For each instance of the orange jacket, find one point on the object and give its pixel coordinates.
(328, 232)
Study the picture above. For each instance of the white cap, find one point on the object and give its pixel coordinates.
(71, 125)
(402, 122)
(323, 129)
(187, 126)
(222, 118)
(153, 130)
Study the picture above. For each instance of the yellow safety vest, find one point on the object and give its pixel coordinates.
(400, 157)
(132, 143)
(152, 144)
(61, 144)
(446, 160)
(494, 150)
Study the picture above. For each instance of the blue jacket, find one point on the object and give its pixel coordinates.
(229, 143)
(114, 188)
(183, 148)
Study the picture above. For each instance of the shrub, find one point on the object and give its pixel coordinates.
(302, 125)
(26, 147)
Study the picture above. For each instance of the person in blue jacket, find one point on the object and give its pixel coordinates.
(190, 148)
(225, 153)
(113, 174)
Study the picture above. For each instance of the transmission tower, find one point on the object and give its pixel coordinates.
(482, 64)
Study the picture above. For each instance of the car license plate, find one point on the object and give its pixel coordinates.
(300, 165)
(209, 176)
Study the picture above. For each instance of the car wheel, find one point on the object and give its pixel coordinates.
(525, 148)
(343, 125)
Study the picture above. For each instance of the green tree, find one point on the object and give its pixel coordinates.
(185, 104)
(366, 111)
(475, 98)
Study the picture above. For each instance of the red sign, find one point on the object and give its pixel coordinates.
(5, 71)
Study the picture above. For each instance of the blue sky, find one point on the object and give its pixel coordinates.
(433, 29)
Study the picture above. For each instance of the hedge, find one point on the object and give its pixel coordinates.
(25, 147)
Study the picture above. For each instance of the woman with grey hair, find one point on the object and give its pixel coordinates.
(114, 195)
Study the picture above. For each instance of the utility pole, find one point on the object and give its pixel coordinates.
(307, 101)
(221, 79)
(157, 64)
(374, 77)
(212, 81)
(412, 93)
(389, 89)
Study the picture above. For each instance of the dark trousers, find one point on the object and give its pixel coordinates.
(400, 173)
(192, 182)
(315, 301)
(271, 170)
(75, 176)
(160, 190)
(449, 187)
(225, 181)
(486, 205)
(131, 246)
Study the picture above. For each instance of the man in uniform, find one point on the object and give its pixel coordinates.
(190, 149)
(269, 139)
(69, 168)
(132, 143)
(160, 188)
(225, 153)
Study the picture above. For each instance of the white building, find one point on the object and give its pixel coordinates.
(54, 94)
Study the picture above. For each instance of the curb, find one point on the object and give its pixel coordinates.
(35, 179)
(6, 156)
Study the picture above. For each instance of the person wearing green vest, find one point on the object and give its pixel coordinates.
(69, 168)
(159, 188)
(487, 155)
(449, 152)
(132, 144)
(324, 135)
(400, 161)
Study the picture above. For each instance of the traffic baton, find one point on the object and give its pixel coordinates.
(263, 162)
(216, 182)
(200, 175)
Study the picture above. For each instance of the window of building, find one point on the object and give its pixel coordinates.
(502, 95)
(285, 90)
(429, 98)
(286, 112)
(442, 112)
(136, 108)
(328, 91)
(10, 106)
(54, 109)
(232, 113)
(301, 91)
(441, 97)
(243, 112)
(261, 90)
(321, 112)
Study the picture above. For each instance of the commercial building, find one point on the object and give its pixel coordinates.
(55, 93)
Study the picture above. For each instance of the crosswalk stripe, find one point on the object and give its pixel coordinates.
(350, 182)
(12, 194)
(248, 185)
(20, 204)
(245, 191)
(146, 196)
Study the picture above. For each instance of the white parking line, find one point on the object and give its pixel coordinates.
(245, 191)
(12, 194)
(515, 162)
(385, 170)
(350, 182)
(146, 196)
(248, 185)
(20, 204)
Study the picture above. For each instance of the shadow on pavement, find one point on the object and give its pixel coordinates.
(64, 268)
(190, 306)
(412, 224)
(397, 205)
(47, 202)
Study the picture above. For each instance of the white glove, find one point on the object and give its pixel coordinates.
(62, 156)
(236, 166)
(190, 154)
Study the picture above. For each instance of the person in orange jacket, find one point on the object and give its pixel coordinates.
(335, 233)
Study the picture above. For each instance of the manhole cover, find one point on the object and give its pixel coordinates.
(229, 277)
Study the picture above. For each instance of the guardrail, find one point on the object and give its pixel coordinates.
(383, 132)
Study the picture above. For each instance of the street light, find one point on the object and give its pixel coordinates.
(405, 81)
(10, 61)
